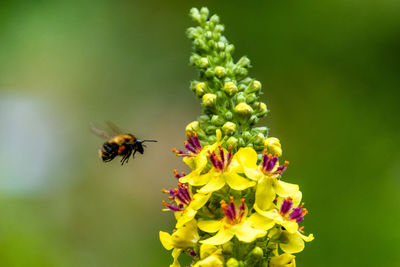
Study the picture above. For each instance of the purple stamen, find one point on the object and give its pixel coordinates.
(188, 147)
(297, 214)
(265, 160)
(192, 253)
(233, 208)
(213, 160)
(190, 140)
(173, 207)
(221, 153)
(286, 206)
(196, 142)
(272, 163)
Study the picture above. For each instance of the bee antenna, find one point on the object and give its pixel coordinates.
(149, 141)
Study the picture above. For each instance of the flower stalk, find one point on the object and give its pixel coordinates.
(232, 208)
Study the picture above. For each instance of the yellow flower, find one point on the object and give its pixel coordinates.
(284, 260)
(196, 157)
(235, 223)
(184, 237)
(194, 126)
(210, 256)
(267, 174)
(209, 100)
(187, 204)
(225, 171)
(243, 109)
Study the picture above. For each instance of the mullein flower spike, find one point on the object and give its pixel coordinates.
(232, 208)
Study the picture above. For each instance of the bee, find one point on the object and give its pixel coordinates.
(118, 144)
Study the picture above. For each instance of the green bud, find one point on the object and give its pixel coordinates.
(195, 14)
(229, 128)
(230, 48)
(255, 86)
(217, 120)
(194, 59)
(232, 262)
(254, 120)
(194, 126)
(259, 139)
(230, 88)
(211, 129)
(209, 73)
(251, 98)
(246, 135)
(243, 109)
(212, 139)
(232, 141)
(241, 142)
(240, 98)
(250, 145)
(209, 35)
(243, 62)
(262, 130)
(220, 71)
(203, 118)
(219, 28)
(203, 62)
(220, 94)
(204, 13)
(228, 247)
(209, 100)
(255, 256)
(214, 19)
(221, 45)
(228, 115)
(200, 88)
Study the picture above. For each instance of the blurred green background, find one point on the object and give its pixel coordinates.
(330, 73)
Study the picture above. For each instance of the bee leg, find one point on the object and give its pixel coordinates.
(134, 152)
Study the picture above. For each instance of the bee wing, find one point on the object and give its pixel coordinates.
(114, 128)
(100, 132)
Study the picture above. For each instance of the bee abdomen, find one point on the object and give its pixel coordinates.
(108, 151)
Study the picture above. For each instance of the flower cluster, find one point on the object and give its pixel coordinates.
(232, 208)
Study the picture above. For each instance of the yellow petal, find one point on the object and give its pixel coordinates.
(214, 184)
(296, 197)
(247, 157)
(186, 216)
(253, 173)
(165, 239)
(207, 250)
(199, 200)
(223, 236)
(237, 182)
(284, 260)
(212, 261)
(291, 226)
(271, 214)
(246, 233)
(284, 189)
(308, 238)
(175, 254)
(265, 193)
(261, 222)
(195, 179)
(291, 243)
(190, 162)
(209, 226)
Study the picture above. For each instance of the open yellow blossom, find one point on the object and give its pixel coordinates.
(210, 256)
(196, 157)
(225, 170)
(267, 173)
(235, 223)
(186, 204)
(184, 237)
(294, 242)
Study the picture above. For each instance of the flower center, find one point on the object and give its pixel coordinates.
(192, 145)
(221, 161)
(293, 214)
(233, 215)
(268, 164)
(181, 195)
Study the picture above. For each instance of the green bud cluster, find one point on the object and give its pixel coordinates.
(230, 98)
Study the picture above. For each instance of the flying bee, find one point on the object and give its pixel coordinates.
(118, 144)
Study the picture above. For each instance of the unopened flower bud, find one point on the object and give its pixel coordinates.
(241, 142)
(253, 120)
(259, 139)
(255, 256)
(200, 88)
(284, 260)
(209, 100)
(229, 128)
(203, 62)
(220, 71)
(221, 45)
(262, 107)
(194, 126)
(212, 139)
(273, 145)
(262, 130)
(217, 120)
(243, 109)
(246, 135)
(204, 12)
(230, 88)
(243, 62)
(232, 141)
(255, 86)
(214, 19)
(228, 115)
(240, 98)
(251, 98)
(232, 262)
(209, 73)
(209, 34)
(227, 247)
(229, 48)
(211, 129)
(195, 14)
(203, 119)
